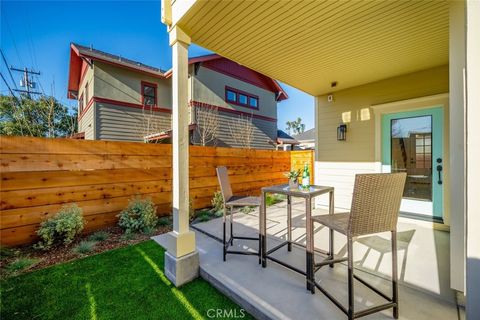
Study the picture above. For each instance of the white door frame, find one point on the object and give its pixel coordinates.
(411, 105)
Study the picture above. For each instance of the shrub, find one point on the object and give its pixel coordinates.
(217, 201)
(139, 216)
(21, 264)
(99, 236)
(63, 227)
(85, 247)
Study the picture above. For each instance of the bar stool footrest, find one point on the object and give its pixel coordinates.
(327, 261)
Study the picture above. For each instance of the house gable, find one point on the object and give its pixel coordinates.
(242, 73)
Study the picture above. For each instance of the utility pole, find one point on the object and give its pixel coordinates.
(26, 82)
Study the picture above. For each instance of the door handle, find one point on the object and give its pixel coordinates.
(439, 170)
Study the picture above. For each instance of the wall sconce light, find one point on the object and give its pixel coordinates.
(342, 132)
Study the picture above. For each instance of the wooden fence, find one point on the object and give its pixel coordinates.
(40, 175)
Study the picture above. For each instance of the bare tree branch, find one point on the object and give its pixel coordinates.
(148, 124)
(207, 125)
(241, 131)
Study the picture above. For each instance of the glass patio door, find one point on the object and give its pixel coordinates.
(412, 142)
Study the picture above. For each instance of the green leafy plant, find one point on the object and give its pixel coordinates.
(99, 236)
(128, 236)
(217, 214)
(217, 201)
(164, 221)
(247, 209)
(21, 264)
(148, 231)
(273, 199)
(63, 227)
(139, 216)
(85, 247)
(293, 174)
(203, 217)
(6, 252)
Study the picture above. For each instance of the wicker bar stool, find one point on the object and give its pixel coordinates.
(231, 201)
(375, 206)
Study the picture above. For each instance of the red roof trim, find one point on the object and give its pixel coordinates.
(204, 58)
(118, 64)
(122, 104)
(282, 94)
(131, 105)
(75, 69)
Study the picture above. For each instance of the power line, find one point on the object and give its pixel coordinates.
(10, 72)
(40, 83)
(13, 40)
(8, 86)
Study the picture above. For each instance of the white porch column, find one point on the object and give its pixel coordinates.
(457, 145)
(473, 158)
(181, 258)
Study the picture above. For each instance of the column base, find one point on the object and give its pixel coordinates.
(180, 244)
(183, 269)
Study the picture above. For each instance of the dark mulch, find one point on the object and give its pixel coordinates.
(61, 254)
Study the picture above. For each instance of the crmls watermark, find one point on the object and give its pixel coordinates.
(226, 313)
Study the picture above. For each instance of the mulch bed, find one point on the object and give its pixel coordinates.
(61, 254)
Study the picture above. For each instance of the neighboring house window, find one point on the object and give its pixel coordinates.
(231, 96)
(241, 98)
(80, 105)
(253, 102)
(149, 94)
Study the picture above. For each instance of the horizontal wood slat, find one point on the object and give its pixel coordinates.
(39, 175)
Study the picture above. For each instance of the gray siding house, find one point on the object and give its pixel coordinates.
(124, 100)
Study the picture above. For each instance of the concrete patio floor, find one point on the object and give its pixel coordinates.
(279, 293)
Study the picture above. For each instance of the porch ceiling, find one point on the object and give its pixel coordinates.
(309, 44)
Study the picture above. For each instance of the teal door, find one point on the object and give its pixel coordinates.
(412, 142)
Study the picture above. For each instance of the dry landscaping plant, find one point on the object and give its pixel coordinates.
(85, 247)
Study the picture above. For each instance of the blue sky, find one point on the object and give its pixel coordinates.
(37, 35)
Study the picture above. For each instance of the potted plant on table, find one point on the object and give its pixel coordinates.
(292, 176)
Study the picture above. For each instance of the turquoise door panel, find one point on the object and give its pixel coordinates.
(437, 124)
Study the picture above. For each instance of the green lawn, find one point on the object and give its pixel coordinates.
(126, 283)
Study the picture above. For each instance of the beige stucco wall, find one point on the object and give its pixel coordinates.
(124, 85)
(209, 87)
(355, 103)
(341, 160)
